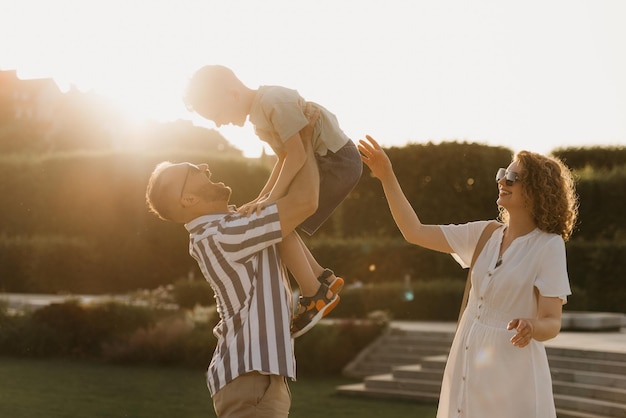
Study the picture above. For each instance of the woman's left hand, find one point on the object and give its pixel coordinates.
(525, 330)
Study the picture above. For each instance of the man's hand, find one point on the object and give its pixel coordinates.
(255, 206)
(312, 114)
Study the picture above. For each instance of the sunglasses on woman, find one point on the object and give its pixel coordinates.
(510, 176)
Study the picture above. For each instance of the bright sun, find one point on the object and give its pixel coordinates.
(110, 48)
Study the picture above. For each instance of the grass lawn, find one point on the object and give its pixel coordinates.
(68, 389)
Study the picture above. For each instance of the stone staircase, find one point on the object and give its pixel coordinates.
(408, 365)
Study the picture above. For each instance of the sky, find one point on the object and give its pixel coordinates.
(535, 75)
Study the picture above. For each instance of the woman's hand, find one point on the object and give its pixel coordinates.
(375, 158)
(545, 326)
(525, 330)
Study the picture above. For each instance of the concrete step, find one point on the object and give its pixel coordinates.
(590, 406)
(409, 366)
(359, 389)
(417, 372)
(589, 378)
(585, 354)
(435, 362)
(564, 413)
(419, 338)
(592, 321)
(582, 390)
(408, 348)
(364, 370)
(398, 347)
(598, 366)
(389, 382)
(394, 358)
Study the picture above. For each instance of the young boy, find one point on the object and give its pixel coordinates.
(277, 113)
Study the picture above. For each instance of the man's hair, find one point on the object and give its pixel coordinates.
(207, 82)
(159, 195)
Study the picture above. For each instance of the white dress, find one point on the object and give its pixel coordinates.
(486, 376)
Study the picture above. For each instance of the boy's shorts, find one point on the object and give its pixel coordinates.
(339, 173)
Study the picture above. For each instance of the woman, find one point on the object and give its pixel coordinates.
(497, 365)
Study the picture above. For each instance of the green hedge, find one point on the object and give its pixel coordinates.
(602, 204)
(77, 222)
(435, 300)
(598, 269)
(597, 157)
(382, 260)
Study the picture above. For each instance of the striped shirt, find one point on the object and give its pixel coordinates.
(239, 259)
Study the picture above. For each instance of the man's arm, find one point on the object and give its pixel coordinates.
(271, 181)
(302, 197)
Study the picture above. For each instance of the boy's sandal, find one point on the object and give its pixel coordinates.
(315, 308)
(334, 285)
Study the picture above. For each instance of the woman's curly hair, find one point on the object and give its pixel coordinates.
(548, 186)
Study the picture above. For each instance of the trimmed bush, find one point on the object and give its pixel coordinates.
(131, 335)
(175, 340)
(190, 293)
(329, 346)
(70, 329)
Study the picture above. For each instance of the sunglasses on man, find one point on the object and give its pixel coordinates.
(510, 176)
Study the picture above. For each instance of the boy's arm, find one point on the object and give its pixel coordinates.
(301, 200)
(290, 162)
(294, 158)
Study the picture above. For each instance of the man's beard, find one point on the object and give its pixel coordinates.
(215, 193)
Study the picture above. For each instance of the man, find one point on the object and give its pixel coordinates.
(238, 256)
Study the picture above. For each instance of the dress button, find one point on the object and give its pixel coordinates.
(477, 316)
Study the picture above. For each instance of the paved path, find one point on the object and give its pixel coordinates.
(592, 341)
(20, 301)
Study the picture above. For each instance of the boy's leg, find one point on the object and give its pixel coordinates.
(323, 275)
(317, 299)
(339, 173)
(296, 256)
(292, 254)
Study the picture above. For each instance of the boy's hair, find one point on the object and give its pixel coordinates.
(208, 82)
